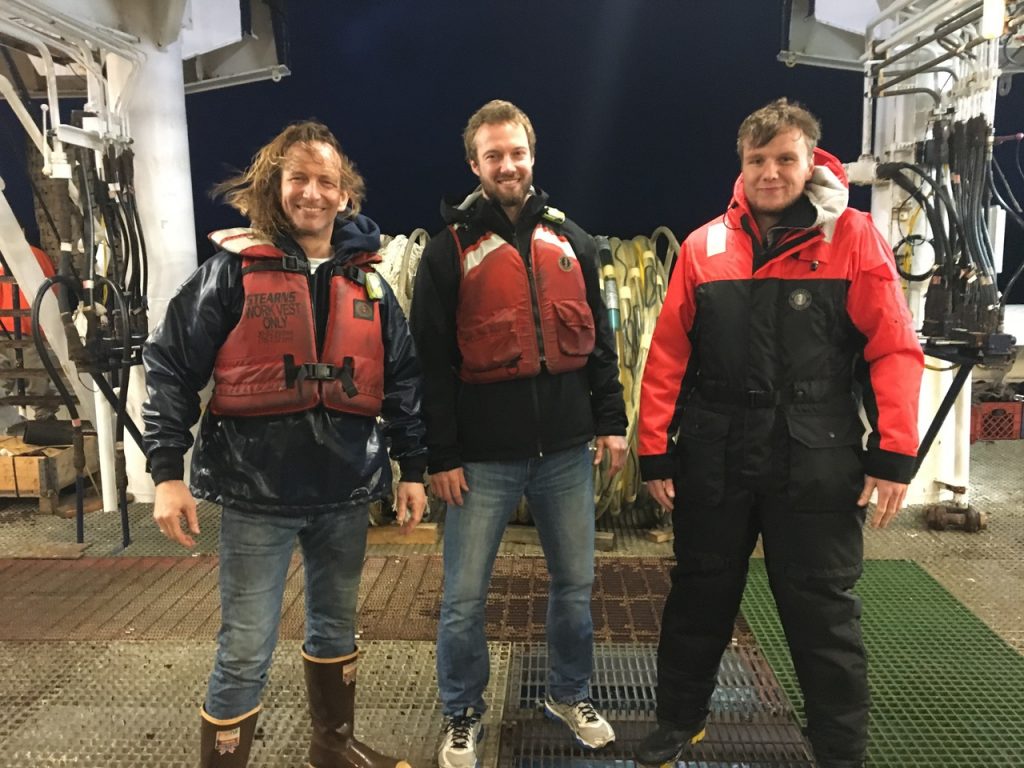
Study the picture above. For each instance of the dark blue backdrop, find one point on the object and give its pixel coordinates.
(635, 102)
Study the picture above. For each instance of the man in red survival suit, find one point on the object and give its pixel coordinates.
(782, 316)
(306, 345)
(12, 327)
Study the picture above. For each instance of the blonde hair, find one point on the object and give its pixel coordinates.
(760, 127)
(496, 112)
(256, 192)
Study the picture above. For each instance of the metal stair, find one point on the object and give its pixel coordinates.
(14, 340)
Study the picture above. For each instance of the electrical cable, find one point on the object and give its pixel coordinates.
(945, 256)
(1020, 170)
(1006, 184)
(910, 241)
(1018, 219)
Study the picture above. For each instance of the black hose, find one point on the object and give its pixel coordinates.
(1006, 183)
(911, 241)
(120, 470)
(944, 253)
(138, 287)
(77, 438)
(126, 217)
(88, 235)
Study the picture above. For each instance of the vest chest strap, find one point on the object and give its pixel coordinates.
(294, 373)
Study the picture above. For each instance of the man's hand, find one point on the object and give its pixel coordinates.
(663, 491)
(888, 502)
(616, 447)
(449, 485)
(173, 506)
(410, 504)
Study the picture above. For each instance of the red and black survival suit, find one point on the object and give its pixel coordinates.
(302, 365)
(517, 351)
(765, 347)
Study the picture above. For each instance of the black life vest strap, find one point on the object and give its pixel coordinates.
(294, 373)
(355, 274)
(345, 373)
(285, 264)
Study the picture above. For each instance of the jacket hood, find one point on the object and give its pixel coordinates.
(459, 210)
(354, 235)
(828, 190)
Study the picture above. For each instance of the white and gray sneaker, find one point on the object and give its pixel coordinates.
(459, 736)
(586, 723)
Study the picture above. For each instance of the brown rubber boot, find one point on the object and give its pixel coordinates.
(331, 686)
(226, 743)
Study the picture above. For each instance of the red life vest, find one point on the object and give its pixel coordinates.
(513, 318)
(268, 364)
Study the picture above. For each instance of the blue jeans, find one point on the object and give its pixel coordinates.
(560, 491)
(255, 554)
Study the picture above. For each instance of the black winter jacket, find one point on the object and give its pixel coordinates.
(520, 418)
(313, 461)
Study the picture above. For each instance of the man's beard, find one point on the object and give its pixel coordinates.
(507, 197)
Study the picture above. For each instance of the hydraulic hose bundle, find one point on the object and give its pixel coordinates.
(951, 184)
(110, 303)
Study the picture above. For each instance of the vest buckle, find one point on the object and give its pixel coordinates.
(291, 263)
(320, 371)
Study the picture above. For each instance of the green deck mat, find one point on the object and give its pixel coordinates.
(946, 690)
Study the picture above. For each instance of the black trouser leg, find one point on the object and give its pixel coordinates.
(712, 548)
(813, 561)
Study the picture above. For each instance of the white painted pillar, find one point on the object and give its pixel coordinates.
(163, 186)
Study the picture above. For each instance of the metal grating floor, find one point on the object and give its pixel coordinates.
(751, 722)
(946, 690)
(154, 598)
(122, 705)
(120, 682)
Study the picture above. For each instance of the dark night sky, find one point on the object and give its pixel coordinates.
(635, 102)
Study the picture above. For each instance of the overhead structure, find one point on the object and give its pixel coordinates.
(127, 240)
(932, 70)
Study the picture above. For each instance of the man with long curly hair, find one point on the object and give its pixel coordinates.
(307, 346)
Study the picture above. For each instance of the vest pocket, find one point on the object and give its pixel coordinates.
(826, 470)
(702, 439)
(490, 345)
(575, 327)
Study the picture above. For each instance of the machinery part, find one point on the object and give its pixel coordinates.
(941, 517)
